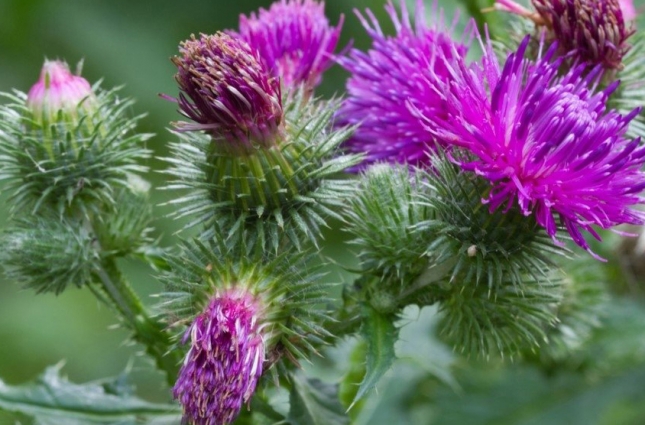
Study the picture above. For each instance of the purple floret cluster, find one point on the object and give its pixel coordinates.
(224, 363)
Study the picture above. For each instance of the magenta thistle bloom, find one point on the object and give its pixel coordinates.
(545, 142)
(224, 363)
(58, 89)
(395, 70)
(594, 30)
(294, 40)
(227, 92)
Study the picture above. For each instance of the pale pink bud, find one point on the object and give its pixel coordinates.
(57, 90)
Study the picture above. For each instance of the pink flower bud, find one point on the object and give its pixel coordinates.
(57, 90)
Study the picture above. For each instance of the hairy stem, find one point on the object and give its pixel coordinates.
(146, 330)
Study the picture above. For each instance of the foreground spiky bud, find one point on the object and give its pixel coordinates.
(224, 363)
(594, 31)
(254, 313)
(59, 95)
(228, 93)
(294, 39)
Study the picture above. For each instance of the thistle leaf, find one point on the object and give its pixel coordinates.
(52, 399)
(381, 335)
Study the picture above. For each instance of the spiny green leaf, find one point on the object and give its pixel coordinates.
(381, 334)
(314, 403)
(52, 399)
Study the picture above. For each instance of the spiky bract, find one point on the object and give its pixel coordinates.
(69, 166)
(396, 71)
(294, 40)
(48, 254)
(286, 286)
(287, 189)
(227, 92)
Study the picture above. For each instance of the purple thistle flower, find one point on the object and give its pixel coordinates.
(224, 363)
(544, 141)
(227, 92)
(594, 30)
(395, 70)
(294, 40)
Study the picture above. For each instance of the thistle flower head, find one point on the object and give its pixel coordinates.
(628, 9)
(58, 90)
(394, 71)
(593, 30)
(546, 142)
(225, 359)
(227, 92)
(294, 40)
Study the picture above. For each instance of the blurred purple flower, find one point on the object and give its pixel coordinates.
(227, 92)
(395, 70)
(594, 30)
(628, 9)
(544, 141)
(57, 90)
(224, 363)
(294, 40)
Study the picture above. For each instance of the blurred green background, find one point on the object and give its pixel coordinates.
(125, 42)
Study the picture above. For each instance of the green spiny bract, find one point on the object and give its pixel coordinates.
(67, 165)
(423, 232)
(48, 254)
(294, 303)
(288, 188)
(631, 92)
(491, 247)
(505, 321)
(382, 218)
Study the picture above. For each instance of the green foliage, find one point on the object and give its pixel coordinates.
(48, 254)
(285, 190)
(53, 400)
(288, 284)
(314, 403)
(66, 167)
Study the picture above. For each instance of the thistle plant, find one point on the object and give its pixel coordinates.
(485, 192)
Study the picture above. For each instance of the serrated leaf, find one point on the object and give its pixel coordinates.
(381, 335)
(314, 402)
(53, 400)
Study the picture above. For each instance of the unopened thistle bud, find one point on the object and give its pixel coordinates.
(59, 94)
(227, 92)
(294, 39)
(594, 31)
(257, 163)
(224, 363)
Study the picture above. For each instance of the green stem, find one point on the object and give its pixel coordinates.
(147, 330)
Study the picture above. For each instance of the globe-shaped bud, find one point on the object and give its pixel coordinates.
(227, 92)
(59, 95)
